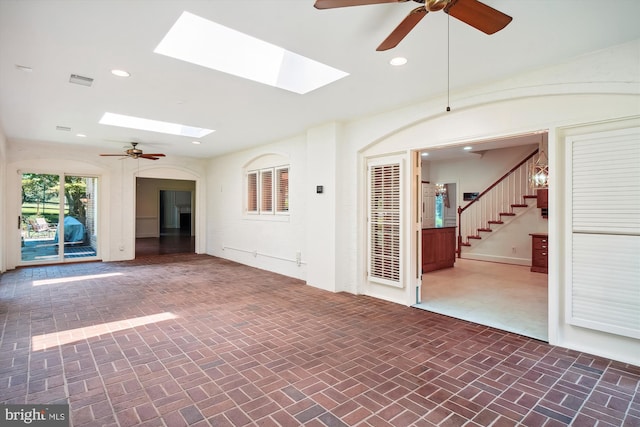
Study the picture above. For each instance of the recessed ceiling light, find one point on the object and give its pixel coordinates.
(196, 142)
(202, 42)
(398, 61)
(425, 154)
(120, 73)
(81, 135)
(153, 125)
(468, 148)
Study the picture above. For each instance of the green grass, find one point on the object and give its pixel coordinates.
(50, 211)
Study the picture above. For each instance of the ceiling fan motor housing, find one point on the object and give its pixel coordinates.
(435, 5)
(134, 151)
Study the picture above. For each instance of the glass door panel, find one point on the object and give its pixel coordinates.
(40, 214)
(58, 222)
(80, 217)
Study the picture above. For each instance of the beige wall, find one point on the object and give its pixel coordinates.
(510, 243)
(148, 202)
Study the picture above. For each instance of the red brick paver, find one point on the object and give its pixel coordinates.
(195, 340)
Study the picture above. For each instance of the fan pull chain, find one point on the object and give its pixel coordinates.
(448, 63)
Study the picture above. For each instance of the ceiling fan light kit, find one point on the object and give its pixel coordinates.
(135, 153)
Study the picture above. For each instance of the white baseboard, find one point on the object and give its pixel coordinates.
(500, 259)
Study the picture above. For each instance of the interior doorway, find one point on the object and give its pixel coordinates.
(165, 216)
(497, 294)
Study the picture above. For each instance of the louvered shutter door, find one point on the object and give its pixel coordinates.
(605, 232)
(385, 209)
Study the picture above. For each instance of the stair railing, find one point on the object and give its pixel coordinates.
(494, 202)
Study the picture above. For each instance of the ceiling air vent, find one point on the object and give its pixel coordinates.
(80, 80)
(63, 128)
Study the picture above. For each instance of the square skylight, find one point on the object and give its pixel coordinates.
(200, 41)
(153, 125)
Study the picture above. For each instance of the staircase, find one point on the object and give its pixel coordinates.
(496, 205)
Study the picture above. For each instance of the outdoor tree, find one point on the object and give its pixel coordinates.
(42, 189)
(39, 189)
(75, 190)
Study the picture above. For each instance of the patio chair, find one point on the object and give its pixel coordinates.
(40, 225)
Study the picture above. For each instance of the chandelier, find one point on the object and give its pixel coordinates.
(441, 189)
(539, 173)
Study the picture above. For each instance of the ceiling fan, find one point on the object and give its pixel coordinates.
(471, 12)
(136, 153)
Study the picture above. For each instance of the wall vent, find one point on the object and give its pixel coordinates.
(63, 128)
(80, 80)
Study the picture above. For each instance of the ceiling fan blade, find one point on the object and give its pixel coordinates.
(331, 4)
(478, 15)
(150, 156)
(153, 154)
(401, 31)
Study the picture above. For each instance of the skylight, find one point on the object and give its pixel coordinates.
(153, 125)
(202, 42)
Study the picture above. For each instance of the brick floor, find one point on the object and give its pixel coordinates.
(194, 340)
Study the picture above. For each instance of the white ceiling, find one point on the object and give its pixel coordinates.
(91, 37)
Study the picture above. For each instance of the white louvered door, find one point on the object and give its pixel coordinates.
(385, 207)
(603, 291)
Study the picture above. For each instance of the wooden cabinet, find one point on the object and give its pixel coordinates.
(542, 198)
(438, 248)
(543, 202)
(539, 252)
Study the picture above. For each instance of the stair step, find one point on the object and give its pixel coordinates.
(520, 205)
(465, 244)
(530, 196)
(474, 237)
(488, 230)
(507, 214)
(495, 222)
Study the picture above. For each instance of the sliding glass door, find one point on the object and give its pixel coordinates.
(59, 218)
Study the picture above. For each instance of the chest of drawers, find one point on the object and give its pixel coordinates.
(539, 252)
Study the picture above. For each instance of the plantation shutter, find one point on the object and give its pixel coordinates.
(282, 190)
(252, 192)
(266, 190)
(385, 213)
(604, 280)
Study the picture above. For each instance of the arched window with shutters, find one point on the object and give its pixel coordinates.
(267, 188)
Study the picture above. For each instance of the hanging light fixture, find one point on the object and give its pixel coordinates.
(441, 190)
(539, 174)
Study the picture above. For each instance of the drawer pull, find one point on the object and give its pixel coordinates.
(544, 247)
(544, 240)
(543, 254)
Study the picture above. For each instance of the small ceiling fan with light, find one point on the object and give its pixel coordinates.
(471, 12)
(136, 153)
